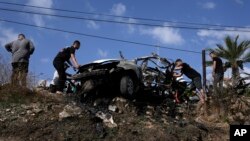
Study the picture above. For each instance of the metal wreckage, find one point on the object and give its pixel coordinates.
(150, 74)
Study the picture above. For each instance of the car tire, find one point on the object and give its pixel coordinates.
(127, 86)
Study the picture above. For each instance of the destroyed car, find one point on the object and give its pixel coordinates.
(157, 73)
(127, 77)
(117, 75)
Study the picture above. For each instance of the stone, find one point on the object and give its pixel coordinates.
(2, 119)
(113, 108)
(37, 110)
(63, 115)
(149, 113)
(26, 107)
(29, 112)
(70, 111)
(8, 110)
(107, 119)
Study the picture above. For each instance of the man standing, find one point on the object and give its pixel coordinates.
(64, 56)
(21, 50)
(192, 74)
(218, 73)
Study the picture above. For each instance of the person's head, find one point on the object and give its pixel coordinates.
(76, 44)
(178, 62)
(21, 36)
(212, 54)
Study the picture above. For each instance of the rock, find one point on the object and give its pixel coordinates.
(113, 108)
(26, 107)
(150, 107)
(37, 110)
(119, 99)
(149, 113)
(7, 110)
(2, 119)
(107, 119)
(22, 113)
(29, 112)
(121, 104)
(63, 115)
(70, 111)
(25, 120)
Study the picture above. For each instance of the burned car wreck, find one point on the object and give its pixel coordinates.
(111, 74)
(151, 74)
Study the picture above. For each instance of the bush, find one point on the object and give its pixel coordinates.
(5, 71)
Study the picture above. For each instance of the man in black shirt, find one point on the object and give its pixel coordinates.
(192, 74)
(65, 55)
(218, 72)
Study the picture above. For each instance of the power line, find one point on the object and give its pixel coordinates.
(126, 17)
(100, 37)
(122, 22)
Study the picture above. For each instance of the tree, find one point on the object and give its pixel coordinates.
(235, 53)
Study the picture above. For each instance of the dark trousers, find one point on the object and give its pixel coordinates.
(59, 66)
(218, 83)
(19, 73)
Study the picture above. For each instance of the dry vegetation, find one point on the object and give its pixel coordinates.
(4, 71)
(35, 115)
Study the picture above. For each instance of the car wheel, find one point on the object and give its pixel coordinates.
(127, 86)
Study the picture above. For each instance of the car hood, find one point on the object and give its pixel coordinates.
(105, 60)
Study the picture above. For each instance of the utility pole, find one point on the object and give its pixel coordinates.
(204, 69)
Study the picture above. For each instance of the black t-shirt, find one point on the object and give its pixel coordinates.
(219, 65)
(64, 55)
(189, 72)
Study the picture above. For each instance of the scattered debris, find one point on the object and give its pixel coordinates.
(70, 111)
(107, 119)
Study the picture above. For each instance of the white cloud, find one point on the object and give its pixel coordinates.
(164, 35)
(88, 6)
(239, 2)
(7, 35)
(45, 60)
(102, 53)
(208, 5)
(214, 37)
(118, 9)
(42, 3)
(131, 28)
(92, 25)
(38, 19)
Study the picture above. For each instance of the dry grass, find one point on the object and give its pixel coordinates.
(5, 71)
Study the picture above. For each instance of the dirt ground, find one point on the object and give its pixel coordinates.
(39, 116)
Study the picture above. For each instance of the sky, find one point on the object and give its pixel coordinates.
(48, 42)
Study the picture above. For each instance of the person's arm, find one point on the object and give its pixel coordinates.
(178, 68)
(69, 62)
(32, 48)
(8, 47)
(73, 59)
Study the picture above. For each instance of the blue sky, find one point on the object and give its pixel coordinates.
(48, 43)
